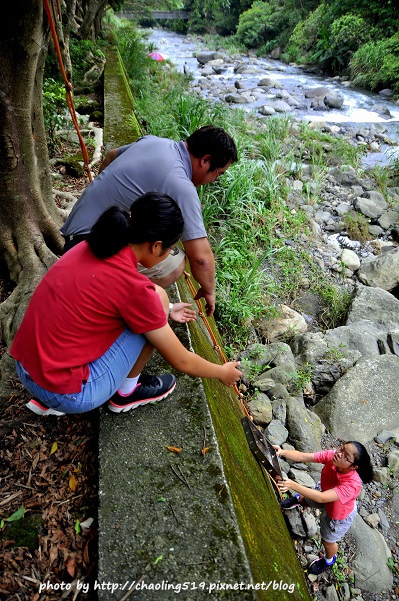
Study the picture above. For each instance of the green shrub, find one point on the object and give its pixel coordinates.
(376, 64)
(307, 32)
(260, 24)
(55, 110)
(84, 53)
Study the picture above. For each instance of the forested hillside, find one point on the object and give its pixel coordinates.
(358, 38)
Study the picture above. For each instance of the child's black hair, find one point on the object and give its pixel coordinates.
(363, 461)
(153, 216)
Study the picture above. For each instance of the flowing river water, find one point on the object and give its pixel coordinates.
(358, 110)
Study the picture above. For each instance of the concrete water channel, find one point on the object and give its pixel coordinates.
(185, 525)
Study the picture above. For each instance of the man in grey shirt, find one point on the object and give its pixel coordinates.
(173, 168)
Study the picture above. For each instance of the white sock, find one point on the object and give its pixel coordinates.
(329, 561)
(128, 386)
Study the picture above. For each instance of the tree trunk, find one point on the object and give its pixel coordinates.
(29, 218)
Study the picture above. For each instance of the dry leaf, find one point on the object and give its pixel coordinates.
(73, 483)
(205, 450)
(175, 449)
(71, 566)
(54, 447)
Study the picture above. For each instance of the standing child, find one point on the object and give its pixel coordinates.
(344, 471)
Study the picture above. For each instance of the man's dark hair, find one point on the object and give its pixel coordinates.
(214, 141)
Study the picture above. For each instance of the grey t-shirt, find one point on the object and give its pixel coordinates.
(151, 164)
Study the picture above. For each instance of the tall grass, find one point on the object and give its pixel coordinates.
(246, 214)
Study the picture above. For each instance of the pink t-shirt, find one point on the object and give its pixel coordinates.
(76, 313)
(347, 486)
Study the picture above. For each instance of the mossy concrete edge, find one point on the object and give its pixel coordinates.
(120, 124)
(269, 548)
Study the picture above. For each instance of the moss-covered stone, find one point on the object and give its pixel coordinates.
(25, 532)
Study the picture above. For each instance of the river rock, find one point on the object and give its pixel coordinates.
(333, 100)
(345, 176)
(377, 303)
(304, 426)
(315, 92)
(388, 219)
(261, 409)
(237, 99)
(289, 323)
(267, 110)
(350, 259)
(244, 69)
(205, 57)
(371, 204)
(269, 82)
(310, 523)
(363, 401)
(362, 336)
(302, 477)
(370, 567)
(381, 271)
(393, 462)
(279, 408)
(276, 432)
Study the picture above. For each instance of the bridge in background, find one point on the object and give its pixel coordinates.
(157, 14)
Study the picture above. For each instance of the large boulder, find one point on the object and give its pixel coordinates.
(333, 100)
(364, 401)
(317, 92)
(371, 205)
(363, 336)
(370, 564)
(304, 426)
(288, 323)
(381, 271)
(376, 304)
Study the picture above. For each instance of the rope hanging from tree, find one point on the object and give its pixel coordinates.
(68, 86)
(258, 443)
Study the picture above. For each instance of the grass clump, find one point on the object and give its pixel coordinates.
(357, 226)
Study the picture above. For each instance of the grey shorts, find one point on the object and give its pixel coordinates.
(332, 530)
(165, 267)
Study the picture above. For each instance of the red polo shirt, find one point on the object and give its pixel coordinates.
(76, 313)
(347, 486)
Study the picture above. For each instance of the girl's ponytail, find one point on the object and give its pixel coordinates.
(110, 233)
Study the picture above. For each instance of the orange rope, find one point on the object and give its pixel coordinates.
(68, 86)
(217, 347)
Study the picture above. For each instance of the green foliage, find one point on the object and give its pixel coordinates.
(376, 64)
(306, 33)
(261, 23)
(357, 226)
(84, 53)
(55, 111)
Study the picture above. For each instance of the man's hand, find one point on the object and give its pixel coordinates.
(209, 301)
(182, 313)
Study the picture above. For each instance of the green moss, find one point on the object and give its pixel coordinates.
(25, 532)
(120, 124)
(270, 551)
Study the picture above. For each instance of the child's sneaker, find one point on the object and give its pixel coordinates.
(41, 409)
(290, 503)
(320, 565)
(148, 390)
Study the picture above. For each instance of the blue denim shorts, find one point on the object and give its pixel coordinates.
(106, 375)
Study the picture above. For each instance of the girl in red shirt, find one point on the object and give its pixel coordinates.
(94, 320)
(344, 471)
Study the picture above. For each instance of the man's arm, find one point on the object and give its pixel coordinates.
(202, 263)
(111, 156)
